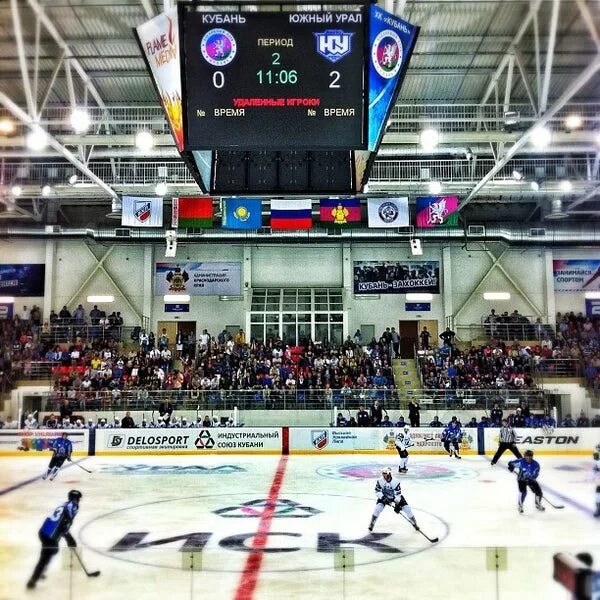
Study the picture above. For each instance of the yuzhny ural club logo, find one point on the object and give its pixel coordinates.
(386, 53)
(218, 47)
(334, 44)
(143, 210)
(388, 212)
(319, 438)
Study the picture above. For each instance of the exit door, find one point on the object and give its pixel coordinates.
(409, 331)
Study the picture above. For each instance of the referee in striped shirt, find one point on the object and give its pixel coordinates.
(508, 438)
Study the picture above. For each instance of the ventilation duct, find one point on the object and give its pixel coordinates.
(556, 210)
(116, 209)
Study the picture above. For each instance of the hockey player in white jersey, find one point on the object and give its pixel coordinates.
(30, 422)
(389, 493)
(403, 443)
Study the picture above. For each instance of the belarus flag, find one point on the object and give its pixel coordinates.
(291, 214)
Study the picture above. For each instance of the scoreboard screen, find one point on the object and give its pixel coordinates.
(274, 80)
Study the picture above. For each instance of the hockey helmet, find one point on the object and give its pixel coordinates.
(387, 473)
(75, 495)
(407, 428)
(528, 452)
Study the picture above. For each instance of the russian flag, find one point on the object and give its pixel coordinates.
(291, 214)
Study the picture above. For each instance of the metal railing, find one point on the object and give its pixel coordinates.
(504, 331)
(64, 333)
(149, 400)
(559, 367)
(34, 370)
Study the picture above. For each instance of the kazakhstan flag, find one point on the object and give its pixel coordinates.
(242, 213)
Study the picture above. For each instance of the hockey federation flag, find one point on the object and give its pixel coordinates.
(291, 214)
(141, 212)
(242, 213)
(340, 211)
(192, 213)
(436, 211)
(388, 212)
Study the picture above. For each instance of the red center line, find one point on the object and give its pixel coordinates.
(249, 578)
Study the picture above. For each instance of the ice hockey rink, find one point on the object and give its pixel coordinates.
(295, 527)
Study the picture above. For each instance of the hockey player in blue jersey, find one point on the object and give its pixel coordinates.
(56, 526)
(452, 434)
(62, 449)
(529, 470)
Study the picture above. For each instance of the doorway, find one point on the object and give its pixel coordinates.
(432, 327)
(409, 332)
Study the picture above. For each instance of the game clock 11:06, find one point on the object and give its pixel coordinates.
(275, 81)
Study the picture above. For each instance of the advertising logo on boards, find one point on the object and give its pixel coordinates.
(319, 438)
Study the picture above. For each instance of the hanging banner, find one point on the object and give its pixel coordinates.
(388, 212)
(576, 275)
(436, 211)
(22, 280)
(198, 279)
(6, 311)
(159, 41)
(141, 211)
(391, 42)
(396, 277)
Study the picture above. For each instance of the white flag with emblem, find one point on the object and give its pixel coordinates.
(140, 211)
(388, 212)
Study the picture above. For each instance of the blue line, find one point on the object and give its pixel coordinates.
(21, 484)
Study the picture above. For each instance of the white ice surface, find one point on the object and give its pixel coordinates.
(470, 505)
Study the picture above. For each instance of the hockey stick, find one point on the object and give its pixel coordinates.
(417, 528)
(557, 506)
(88, 573)
(81, 467)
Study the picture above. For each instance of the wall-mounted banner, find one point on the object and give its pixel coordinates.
(199, 279)
(6, 311)
(576, 275)
(140, 211)
(376, 277)
(417, 306)
(159, 39)
(177, 308)
(592, 308)
(391, 42)
(22, 280)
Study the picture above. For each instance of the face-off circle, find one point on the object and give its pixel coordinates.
(428, 472)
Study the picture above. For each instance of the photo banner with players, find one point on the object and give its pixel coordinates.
(17, 441)
(198, 278)
(576, 275)
(379, 277)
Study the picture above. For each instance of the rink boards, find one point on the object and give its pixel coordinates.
(288, 440)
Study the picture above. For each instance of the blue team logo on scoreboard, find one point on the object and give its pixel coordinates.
(218, 47)
(386, 53)
(334, 44)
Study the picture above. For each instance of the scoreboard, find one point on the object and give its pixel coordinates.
(274, 80)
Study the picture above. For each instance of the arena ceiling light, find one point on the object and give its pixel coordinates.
(435, 187)
(144, 140)
(46, 190)
(7, 300)
(566, 186)
(517, 175)
(535, 186)
(592, 295)
(7, 126)
(80, 120)
(541, 137)
(100, 299)
(36, 140)
(73, 179)
(176, 298)
(429, 138)
(573, 122)
(496, 296)
(16, 190)
(161, 188)
(419, 297)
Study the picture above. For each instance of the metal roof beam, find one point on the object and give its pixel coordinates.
(571, 90)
